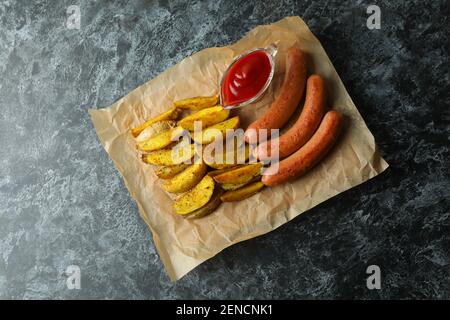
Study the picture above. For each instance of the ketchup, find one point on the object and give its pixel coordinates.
(246, 78)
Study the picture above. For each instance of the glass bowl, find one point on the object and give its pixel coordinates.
(271, 51)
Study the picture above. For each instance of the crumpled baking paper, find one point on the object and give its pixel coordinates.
(184, 244)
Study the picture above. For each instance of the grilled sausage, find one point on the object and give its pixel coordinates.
(291, 93)
(309, 155)
(304, 127)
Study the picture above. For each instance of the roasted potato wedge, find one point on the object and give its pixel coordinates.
(161, 140)
(172, 114)
(222, 161)
(171, 171)
(169, 157)
(186, 179)
(216, 131)
(197, 103)
(242, 193)
(196, 198)
(220, 171)
(240, 175)
(232, 186)
(208, 117)
(208, 208)
(155, 129)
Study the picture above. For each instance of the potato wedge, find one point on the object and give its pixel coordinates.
(216, 131)
(208, 117)
(155, 129)
(240, 175)
(171, 114)
(197, 103)
(161, 140)
(220, 171)
(233, 186)
(186, 179)
(171, 171)
(242, 193)
(208, 208)
(169, 157)
(222, 161)
(196, 198)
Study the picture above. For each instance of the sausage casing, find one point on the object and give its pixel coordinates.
(287, 101)
(304, 127)
(309, 155)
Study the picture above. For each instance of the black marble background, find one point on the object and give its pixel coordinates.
(62, 202)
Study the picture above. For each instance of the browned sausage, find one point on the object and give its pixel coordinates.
(291, 93)
(304, 128)
(309, 155)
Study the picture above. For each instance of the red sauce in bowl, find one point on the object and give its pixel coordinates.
(245, 79)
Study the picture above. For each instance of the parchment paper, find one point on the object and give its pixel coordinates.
(184, 244)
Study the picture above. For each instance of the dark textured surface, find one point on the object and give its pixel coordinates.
(62, 202)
